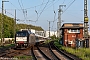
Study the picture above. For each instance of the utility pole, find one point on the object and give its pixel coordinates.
(85, 22)
(49, 29)
(59, 19)
(2, 23)
(15, 24)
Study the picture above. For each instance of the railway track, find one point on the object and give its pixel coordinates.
(54, 53)
(33, 54)
(46, 51)
(38, 54)
(12, 53)
(61, 54)
(5, 51)
(50, 52)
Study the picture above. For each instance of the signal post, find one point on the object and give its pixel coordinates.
(86, 37)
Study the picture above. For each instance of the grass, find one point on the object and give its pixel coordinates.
(8, 45)
(83, 53)
(23, 57)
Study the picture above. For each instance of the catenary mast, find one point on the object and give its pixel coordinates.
(86, 24)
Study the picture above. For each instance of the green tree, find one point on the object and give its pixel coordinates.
(8, 26)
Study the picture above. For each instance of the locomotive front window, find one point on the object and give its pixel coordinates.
(22, 34)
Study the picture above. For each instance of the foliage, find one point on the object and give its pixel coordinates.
(83, 53)
(53, 37)
(25, 26)
(8, 26)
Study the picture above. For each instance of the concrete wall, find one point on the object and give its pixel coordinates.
(6, 39)
(51, 33)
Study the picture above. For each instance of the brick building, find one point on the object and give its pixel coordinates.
(70, 32)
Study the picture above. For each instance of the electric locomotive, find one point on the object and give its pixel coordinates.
(24, 39)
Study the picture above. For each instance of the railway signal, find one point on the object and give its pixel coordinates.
(85, 20)
(86, 24)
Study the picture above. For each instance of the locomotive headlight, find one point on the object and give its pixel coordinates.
(25, 44)
(17, 44)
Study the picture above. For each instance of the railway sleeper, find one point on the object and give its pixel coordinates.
(3, 54)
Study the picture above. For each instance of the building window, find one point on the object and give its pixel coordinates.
(73, 30)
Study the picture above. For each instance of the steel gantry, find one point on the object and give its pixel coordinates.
(59, 19)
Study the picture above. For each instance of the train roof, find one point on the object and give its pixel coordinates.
(24, 31)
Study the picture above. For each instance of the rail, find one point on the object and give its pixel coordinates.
(34, 57)
(43, 54)
(69, 56)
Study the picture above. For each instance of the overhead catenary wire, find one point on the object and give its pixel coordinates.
(22, 4)
(51, 4)
(64, 11)
(8, 12)
(41, 5)
(26, 8)
(68, 7)
(38, 5)
(54, 12)
(22, 9)
(11, 14)
(11, 9)
(71, 14)
(42, 10)
(63, 2)
(38, 11)
(25, 11)
(54, 19)
(17, 9)
(54, 15)
(45, 7)
(14, 6)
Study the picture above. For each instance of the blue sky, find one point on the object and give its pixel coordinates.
(26, 11)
